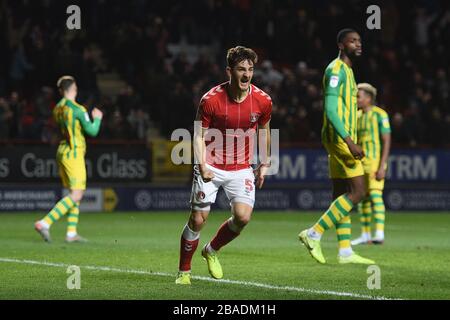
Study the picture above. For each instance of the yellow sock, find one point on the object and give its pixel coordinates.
(365, 211)
(72, 219)
(59, 210)
(340, 208)
(378, 209)
(344, 233)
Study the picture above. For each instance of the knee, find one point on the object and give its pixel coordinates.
(359, 194)
(77, 195)
(196, 221)
(242, 218)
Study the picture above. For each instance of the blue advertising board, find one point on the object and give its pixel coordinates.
(147, 199)
(416, 166)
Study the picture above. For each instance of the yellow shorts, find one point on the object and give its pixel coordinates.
(341, 163)
(72, 170)
(370, 169)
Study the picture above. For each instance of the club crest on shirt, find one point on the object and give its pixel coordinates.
(254, 117)
(200, 195)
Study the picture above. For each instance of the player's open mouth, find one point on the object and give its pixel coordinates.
(245, 83)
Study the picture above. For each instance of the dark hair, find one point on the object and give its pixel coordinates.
(237, 54)
(64, 83)
(343, 33)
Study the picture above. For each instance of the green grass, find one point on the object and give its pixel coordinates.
(414, 261)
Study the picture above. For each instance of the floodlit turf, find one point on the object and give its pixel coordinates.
(414, 262)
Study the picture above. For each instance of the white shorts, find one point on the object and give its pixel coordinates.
(239, 187)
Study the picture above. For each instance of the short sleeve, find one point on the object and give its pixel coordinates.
(266, 113)
(333, 80)
(206, 112)
(383, 123)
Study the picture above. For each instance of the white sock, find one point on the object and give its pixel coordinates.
(209, 249)
(71, 234)
(379, 234)
(189, 234)
(345, 252)
(44, 224)
(366, 236)
(313, 234)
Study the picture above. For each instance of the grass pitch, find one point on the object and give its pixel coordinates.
(135, 256)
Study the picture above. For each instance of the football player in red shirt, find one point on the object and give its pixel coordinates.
(230, 111)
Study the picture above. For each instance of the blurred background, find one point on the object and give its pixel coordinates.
(147, 63)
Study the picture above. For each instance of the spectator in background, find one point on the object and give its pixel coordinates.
(19, 67)
(398, 132)
(29, 126)
(168, 56)
(5, 119)
(139, 121)
(268, 75)
(118, 127)
(16, 106)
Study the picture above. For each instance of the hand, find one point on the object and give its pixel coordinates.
(260, 173)
(96, 113)
(380, 174)
(355, 149)
(207, 175)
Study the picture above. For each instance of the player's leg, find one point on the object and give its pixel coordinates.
(190, 237)
(73, 217)
(59, 210)
(357, 190)
(76, 171)
(240, 190)
(202, 196)
(227, 232)
(379, 214)
(339, 208)
(348, 190)
(365, 216)
(231, 228)
(365, 209)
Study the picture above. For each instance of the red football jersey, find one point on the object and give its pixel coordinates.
(218, 111)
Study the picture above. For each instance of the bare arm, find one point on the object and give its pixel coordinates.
(261, 171)
(386, 146)
(200, 150)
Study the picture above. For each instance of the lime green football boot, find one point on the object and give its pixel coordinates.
(313, 246)
(354, 258)
(214, 267)
(183, 278)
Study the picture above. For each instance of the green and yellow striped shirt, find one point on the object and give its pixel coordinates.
(74, 122)
(371, 125)
(340, 90)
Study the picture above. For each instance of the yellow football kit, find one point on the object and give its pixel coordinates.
(371, 126)
(340, 120)
(74, 123)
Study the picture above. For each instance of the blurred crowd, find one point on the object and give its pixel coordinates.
(169, 53)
